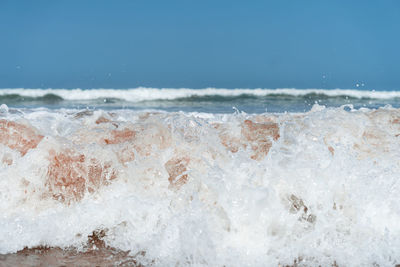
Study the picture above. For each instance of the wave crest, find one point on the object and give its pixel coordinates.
(149, 94)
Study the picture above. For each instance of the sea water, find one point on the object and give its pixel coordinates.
(210, 100)
(212, 177)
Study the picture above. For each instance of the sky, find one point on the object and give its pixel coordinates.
(198, 44)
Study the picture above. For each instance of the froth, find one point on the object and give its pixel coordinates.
(202, 189)
(147, 94)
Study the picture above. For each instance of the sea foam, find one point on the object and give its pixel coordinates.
(200, 189)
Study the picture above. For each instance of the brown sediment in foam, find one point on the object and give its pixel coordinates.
(7, 159)
(260, 137)
(297, 205)
(372, 140)
(71, 174)
(125, 155)
(232, 143)
(177, 168)
(146, 115)
(120, 136)
(102, 119)
(257, 135)
(139, 140)
(330, 148)
(376, 138)
(18, 136)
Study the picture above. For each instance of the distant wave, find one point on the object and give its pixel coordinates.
(152, 94)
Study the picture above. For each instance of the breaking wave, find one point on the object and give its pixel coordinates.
(320, 187)
(149, 94)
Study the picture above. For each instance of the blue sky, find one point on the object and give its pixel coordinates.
(197, 44)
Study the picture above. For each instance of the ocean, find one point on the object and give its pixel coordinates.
(209, 100)
(199, 177)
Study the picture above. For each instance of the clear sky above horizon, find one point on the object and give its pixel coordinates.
(197, 44)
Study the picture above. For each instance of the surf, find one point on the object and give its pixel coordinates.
(204, 189)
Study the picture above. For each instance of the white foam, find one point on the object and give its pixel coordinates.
(146, 94)
(234, 211)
